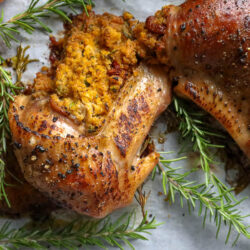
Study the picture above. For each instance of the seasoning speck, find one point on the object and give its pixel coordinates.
(33, 158)
(55, 119)
(40, 148)
(62, 176)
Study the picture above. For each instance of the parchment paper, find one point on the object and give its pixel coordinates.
(180, 230)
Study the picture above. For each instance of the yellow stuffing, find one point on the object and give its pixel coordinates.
(98, 56)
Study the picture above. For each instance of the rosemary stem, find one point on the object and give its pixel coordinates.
(26, 13)
(221, 204)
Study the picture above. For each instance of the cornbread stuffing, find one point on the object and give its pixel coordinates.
(89, 66)
(150, 38)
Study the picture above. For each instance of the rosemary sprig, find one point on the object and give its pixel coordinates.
(33, 17)
(77, 233)
(194, 128)
(7, 90)
(215, 196)
(216, 199)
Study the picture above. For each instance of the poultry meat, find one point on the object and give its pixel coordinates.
(205, 44)
(92, 175)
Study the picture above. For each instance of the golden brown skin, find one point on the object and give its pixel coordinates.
(91, 175)
(206, 44)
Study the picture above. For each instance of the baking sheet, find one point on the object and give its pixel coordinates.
(180, 230)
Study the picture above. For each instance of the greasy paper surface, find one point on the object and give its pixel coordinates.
(180, 231)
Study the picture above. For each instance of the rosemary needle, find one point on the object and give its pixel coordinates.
(33, 17)
(193, 128)
(77, 233)
(213, 196)
(7, 90)
(222, 204)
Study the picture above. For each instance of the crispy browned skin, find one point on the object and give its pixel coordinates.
(205, 43)
(92, 175)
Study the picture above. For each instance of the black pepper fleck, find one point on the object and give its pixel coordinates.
(69, 171)
(40, 148)
(18, 145)
(62, 176)
(183, 27)
(76, 166)
(55, 119)
(49, 162)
